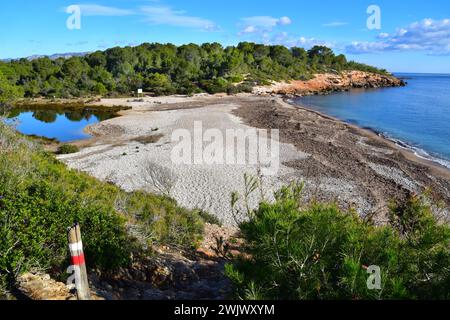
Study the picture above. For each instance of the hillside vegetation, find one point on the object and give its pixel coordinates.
(40, 197)
(167, 69)
(299, 250)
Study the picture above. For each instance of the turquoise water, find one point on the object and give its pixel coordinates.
(60, 125)
(416, 116)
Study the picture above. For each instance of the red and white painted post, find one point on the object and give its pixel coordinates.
(78, 262)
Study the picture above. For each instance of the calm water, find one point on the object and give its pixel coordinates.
(417, 115)
(62, 125)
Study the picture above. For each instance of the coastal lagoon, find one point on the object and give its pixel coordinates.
(416, 116)
(56, 123)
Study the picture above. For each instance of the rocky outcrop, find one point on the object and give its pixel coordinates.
(37, 286)
(330, 82)
(42, 287)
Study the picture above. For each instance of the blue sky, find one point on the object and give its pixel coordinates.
(414, 35)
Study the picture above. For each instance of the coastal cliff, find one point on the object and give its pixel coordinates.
(331, 82)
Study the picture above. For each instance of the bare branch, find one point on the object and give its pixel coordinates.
(160, 178)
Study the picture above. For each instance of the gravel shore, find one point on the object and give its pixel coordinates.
(120, 154)
(337, 161)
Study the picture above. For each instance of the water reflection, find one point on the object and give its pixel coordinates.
(50, 116)
(63, 125)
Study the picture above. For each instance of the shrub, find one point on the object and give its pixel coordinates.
(320, 252)
(218, 85)
(236, 78)
(161, 221)
(40, 198)
(235, 89)
(67, 149)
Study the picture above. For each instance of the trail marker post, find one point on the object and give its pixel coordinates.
(78, 262)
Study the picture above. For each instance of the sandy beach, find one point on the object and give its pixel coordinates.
(337, 161)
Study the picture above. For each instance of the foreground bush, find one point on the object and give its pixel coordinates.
(40, 198)
(320, 252)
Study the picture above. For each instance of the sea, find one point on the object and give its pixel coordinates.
(416, 117)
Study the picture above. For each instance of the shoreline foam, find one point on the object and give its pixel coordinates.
(419, 152)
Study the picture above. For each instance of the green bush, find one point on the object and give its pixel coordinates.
(235, 89)
(67, 149)
(218, 85)
(236, 78)
(8, 91)
(40, 198)
(161, 220)
(319, 252)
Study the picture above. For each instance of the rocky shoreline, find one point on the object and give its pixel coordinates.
(331, 82)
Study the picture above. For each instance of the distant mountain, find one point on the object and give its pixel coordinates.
(53, 56)
(59, 55)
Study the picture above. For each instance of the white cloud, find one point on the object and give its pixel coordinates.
(261, 21)
(335, 24)
(431, 36)
(285, 39)
(249, 29)
(308, 43)
(153, 14)
(178, 18)
(263, 24)
(263, 29)
(366, 47)
(285, 21)
(98, 10)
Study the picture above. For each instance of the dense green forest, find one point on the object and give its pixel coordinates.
(164, 69)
